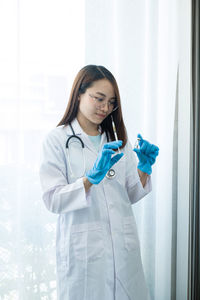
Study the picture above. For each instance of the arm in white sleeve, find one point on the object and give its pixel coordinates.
(133, 184)
(59, 196)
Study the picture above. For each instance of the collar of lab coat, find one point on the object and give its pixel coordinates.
(80, 133)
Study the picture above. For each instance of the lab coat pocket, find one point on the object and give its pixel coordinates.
(87, 241)
(131, 240)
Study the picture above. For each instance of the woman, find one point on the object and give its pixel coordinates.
(92, 189)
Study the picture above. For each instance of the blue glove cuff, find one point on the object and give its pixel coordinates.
(94, 179)
(146, 168)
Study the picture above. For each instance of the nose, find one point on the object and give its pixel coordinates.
(105, 108)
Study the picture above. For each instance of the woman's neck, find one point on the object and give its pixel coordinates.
(87, 126)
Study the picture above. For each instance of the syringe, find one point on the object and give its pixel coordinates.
(115, 132)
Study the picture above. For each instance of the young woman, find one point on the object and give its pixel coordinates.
(91, 180)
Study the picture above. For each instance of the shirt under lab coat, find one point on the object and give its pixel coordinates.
(97, 245)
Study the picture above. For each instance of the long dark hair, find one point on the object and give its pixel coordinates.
(83, 80)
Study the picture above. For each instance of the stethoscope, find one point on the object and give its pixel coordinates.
(110, 174)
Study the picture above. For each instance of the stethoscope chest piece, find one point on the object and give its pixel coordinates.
(111, 174)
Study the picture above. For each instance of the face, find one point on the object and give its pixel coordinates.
(90, 107)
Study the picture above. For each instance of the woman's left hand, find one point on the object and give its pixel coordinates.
(146, 154)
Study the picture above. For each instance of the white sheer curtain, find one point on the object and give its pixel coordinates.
(43, 46)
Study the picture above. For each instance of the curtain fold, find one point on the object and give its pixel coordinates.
(194, 243)
(174, 196)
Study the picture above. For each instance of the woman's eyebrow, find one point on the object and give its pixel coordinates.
(104, 95)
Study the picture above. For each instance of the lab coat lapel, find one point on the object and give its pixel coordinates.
(103, 140)
(80, 133)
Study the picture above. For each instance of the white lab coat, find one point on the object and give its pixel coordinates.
(97, 245)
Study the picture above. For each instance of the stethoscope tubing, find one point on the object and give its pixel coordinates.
(110, 174)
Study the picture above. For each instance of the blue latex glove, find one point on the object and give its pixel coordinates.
(104, 162)
(146, 154)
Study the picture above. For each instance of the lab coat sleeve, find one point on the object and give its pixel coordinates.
(59, 196)
(133, 184)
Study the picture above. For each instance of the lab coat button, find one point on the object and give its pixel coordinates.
(111, 205)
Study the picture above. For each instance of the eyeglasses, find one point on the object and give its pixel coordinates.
(100, 103)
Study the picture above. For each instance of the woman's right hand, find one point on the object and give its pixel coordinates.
(104, 162)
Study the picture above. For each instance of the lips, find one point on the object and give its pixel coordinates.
(101, 116)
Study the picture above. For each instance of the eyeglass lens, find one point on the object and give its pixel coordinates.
(112, 105)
